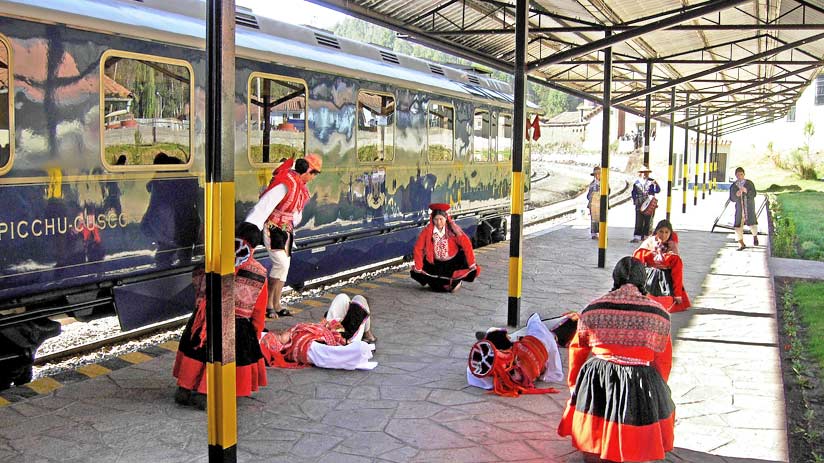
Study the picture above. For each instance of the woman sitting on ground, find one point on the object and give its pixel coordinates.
(443, 253)
(659, 253)
(620, 407)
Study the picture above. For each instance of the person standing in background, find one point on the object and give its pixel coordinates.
(742, 193)
(594, 202)
(643, 192)
(277, 212)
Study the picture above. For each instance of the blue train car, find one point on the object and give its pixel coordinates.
(102, 152)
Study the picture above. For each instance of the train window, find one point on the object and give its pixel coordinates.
(504, 148)
(6, 106)
(481, 138)
(376, 127)
(277, 118)
(441, 131)
(146, 111)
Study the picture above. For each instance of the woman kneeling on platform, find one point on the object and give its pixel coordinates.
(250, 312)
(443, 253)
(620, 407)
(665, 269)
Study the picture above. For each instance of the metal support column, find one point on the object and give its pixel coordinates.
(697, 157)
(706, 147)
(602, 225)
(686, 156)
(671, 160)
(647, 110)
(220, 217)
(715, 151)
(519, 128)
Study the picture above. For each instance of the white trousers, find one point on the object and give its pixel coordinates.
(739, 232)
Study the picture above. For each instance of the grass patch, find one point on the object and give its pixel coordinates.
(810, 299)
(799, 229)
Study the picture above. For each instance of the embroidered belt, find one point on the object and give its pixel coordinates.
(623, 360)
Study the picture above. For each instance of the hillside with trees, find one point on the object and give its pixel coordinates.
(552, 101)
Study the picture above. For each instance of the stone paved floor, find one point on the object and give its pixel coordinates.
(416, 406)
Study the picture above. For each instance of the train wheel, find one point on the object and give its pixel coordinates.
(483, 234)
(500, 229)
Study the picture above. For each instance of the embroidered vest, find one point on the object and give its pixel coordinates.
(296, 197)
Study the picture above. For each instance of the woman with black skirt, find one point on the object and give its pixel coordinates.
(620, 407)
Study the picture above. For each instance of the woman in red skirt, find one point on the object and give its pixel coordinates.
(620, 407)
(659, 253)
(250, 313)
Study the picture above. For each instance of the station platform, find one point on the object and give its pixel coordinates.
(416, 405)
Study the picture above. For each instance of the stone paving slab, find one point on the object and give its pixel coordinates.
(416, 406)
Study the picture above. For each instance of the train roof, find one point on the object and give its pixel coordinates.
(261, 38)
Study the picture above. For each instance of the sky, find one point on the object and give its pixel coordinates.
(294, 11)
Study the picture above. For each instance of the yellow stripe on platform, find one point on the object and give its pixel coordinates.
(93, 370)
(170, 345)
(222, 193)
(313, 303)
(356, 290)
(222, 420)
(44, 385)
(398, 276)
(4, 402)
(369, 285)
(135, 357)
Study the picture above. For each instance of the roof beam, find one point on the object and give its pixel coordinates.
(709, 7)
(738, 90)
(582, 29)
(730, 65)
(739, 104)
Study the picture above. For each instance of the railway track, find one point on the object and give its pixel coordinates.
(561, 212)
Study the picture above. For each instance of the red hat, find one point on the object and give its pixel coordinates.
(439, 209)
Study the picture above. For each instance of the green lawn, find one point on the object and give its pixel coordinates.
(810, 299)
(802, 210)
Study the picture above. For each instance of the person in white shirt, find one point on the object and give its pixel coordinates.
(277, 212)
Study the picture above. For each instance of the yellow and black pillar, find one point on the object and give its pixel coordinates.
(670, 165)
(647, 114)
(686, 172)
(697, 157)
(706, 165)
(220, 214)
(602, 220)
(518, 187)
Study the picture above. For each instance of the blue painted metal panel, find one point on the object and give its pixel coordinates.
(147, 302)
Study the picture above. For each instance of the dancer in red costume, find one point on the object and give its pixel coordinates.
(659, 253)
(443, 253)
(250, 306)
(621, 408)
(277, 212)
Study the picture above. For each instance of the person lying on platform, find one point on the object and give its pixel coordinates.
(443, 253)
(338, 341)
(513, 367)
(665, 269)
(250, 311)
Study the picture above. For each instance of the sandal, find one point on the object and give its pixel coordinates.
(283, 313)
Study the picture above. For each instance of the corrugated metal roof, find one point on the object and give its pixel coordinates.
(744, 64)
